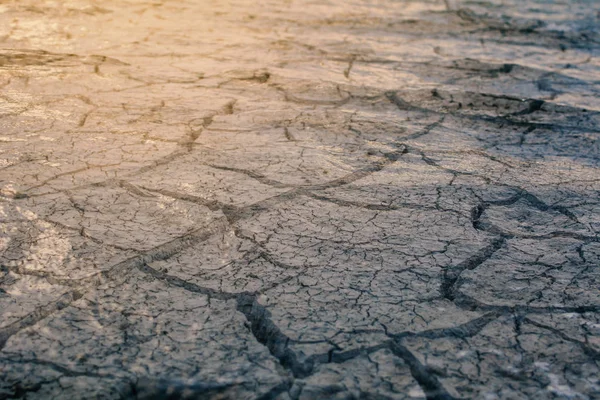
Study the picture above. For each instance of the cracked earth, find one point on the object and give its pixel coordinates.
(300, 200)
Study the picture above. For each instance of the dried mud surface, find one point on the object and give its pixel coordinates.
(297, 200)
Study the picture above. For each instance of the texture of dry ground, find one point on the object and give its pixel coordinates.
(297, 200)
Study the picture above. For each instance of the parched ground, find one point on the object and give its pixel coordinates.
(343, 199)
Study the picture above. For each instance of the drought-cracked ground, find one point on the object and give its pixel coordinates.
(300, 200)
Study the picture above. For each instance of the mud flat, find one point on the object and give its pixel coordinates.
(300, 200)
